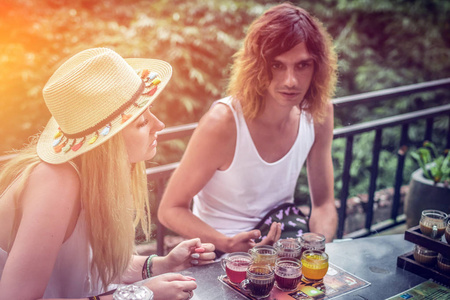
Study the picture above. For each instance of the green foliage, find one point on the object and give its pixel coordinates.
(381, 44)
(435, 166)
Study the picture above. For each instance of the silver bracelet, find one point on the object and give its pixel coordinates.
(133, 292)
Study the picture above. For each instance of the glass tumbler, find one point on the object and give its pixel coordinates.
(314, 265)
(312, 241)
(288, 273)
(264, 255)
(260, 280)
(289, 248)
(432, 223)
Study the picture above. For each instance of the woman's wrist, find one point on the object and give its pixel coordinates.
(160, 265)
(147, 268)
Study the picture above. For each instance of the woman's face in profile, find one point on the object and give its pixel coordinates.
(140, 137)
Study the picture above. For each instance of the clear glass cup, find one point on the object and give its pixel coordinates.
(288, 274)
(264, 255)
(312, 241)
(433, 222)
(447, 232)
(443, 263)
(288, 248)
(314, 265)
(235, 266)
(425, 256)
(132, 292)
(260, 280)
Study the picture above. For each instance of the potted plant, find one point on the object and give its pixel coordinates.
(429, 187)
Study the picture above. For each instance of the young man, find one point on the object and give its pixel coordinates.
(247, 152)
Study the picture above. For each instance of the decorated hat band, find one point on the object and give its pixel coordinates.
(65, 142)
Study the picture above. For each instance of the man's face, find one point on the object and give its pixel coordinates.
(292, 72)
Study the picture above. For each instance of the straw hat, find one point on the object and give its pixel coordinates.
(94, 95)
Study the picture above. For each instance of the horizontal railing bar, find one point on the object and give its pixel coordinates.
(392, 92)
(357, 234)
(163, 171)
(181, 131)
(376, 228)
(390, 121)
(176, 132)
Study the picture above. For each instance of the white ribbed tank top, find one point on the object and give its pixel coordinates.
(236, 199)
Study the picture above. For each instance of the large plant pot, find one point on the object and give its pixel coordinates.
(424, 194)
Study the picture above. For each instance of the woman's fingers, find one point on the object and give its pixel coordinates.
(192, 243)
(171, 286)
(203, 255)
(208, 247)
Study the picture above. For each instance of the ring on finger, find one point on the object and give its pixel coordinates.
(191, 294)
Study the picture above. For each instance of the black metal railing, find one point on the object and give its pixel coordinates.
(160, 174)
(349, 132)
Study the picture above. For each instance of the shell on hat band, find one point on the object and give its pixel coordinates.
(64, 143)
(106, 130)
(93, 139)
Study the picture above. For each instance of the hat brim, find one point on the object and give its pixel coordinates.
(45, 146)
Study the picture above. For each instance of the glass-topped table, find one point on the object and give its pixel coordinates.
(373, 259)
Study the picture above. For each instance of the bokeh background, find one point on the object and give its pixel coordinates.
(381, 44)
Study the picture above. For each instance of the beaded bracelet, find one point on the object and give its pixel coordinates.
(147, 267)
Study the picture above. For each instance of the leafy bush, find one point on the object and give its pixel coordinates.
(435, 167)
(381, 44)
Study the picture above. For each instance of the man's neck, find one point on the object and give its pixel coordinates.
(277, 116)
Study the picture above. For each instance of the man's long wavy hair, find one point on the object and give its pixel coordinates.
(278, 30)
(114, 204)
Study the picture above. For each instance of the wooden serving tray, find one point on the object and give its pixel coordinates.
(407, 262)
(414, 235)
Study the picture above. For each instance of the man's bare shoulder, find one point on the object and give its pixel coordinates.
(219, 121)
(327, 123)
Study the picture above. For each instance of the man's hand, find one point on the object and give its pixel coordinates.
(273, 235)
(243, 241)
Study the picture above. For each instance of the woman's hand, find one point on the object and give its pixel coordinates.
(171, 286)
(189, 253)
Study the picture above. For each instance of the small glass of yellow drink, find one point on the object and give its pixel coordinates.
(314, 265)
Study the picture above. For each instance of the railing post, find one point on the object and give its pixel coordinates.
(160, 229)
(373, 178)
(345, 185)
(448, 135)
(401, 154)
(429, 129)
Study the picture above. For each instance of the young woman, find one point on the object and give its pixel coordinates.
(71, 201)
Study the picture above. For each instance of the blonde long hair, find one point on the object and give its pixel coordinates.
(115, 205)
(278, 30)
